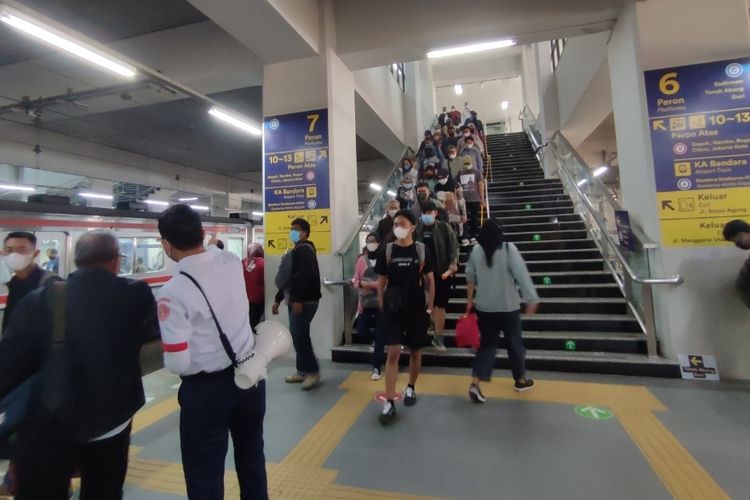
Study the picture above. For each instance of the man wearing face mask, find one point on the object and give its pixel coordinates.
(472, 184)
(439, 238)
(299, 279)
(470, 149)
(408, 170)
(19, 254)
(385, 226)
(445, 182)
(425, 196)
(453, 163)
(450, 139)
(405, 271)
(406, 195)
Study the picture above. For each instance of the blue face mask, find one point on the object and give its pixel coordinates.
(294, 235)
(428, 219)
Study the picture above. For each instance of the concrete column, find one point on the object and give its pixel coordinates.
(703, 315)
(306, 84)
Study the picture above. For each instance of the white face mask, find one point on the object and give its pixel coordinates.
(400, 232)
(18, 261)
(452, 156)
(372, 247)
(443, 181)
(392, 212)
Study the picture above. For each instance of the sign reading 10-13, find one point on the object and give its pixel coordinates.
(699, 117)
(295, 178)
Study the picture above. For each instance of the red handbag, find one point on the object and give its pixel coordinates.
(467, 331)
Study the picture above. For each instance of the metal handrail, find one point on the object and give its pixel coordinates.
(674, 280)
(341, 251)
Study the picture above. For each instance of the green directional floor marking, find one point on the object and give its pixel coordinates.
(528, 206)
(570, 345)
(594, 412)
(547, 280)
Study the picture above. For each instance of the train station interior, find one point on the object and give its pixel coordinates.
(612, 140)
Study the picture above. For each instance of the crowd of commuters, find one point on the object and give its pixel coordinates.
(83, 382)
(74, 387)
(405, 274)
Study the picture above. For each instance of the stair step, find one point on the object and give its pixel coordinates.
(539, 219)
(544, 226)
(567, 322)
(570, 244)
(569, 290)
(560, 277)
(536, 360)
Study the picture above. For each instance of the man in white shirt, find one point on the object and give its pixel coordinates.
(204, 318)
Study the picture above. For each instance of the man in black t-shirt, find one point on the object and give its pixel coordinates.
(405, 270)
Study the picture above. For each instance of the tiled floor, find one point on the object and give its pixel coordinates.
(667, 438)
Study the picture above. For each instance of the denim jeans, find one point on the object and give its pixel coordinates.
(212, 409)
(370, 319)
(490, 324)
(299, 327)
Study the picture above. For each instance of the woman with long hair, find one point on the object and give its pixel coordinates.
(495, 272)
(366, 281)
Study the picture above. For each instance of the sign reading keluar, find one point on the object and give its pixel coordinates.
(699, 117)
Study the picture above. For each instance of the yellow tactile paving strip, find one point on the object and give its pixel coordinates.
(301, 474)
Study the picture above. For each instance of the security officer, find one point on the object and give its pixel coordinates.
(205, 328)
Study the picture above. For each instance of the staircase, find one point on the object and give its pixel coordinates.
(583, 323)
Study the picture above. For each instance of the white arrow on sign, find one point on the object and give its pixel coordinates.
(594, 412)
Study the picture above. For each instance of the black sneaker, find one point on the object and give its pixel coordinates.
(475, 394)
(523, 386)
(410, 396)
(388, 413)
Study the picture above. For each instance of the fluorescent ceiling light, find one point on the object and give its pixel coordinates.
(157, 203)
(582, 182)
(469, 49)
(504, 105)
(258, 214)
(376, 187)
(63, 41)
(599, 171)
(234, 121)
(193, 198)
(199, 207)
(390, 193)
(97, 196)
(458, 89)
(11, 187)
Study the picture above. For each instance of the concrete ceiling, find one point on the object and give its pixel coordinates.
(379, 33)
(218, 48)
(105, 21)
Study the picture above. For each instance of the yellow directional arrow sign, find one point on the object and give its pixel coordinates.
(659, 125)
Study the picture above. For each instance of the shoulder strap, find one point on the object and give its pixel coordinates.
(222, 336)
(56, 302)
(46, 277)
(388, 252)
(420, 254)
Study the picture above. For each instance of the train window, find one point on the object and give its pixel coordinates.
(49, 254)
(149, 255)
(236, 246)
(127, 252)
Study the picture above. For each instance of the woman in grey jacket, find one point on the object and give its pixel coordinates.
(495, 271)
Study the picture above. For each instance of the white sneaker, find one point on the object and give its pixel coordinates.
(376, 375)
(464, 242)
(473, 241)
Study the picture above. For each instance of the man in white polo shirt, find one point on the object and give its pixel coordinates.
(205, 328)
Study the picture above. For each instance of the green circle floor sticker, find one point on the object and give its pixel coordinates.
(594, 412)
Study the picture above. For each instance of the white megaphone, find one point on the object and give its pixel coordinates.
(272, 340)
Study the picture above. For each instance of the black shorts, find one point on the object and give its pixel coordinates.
(409, 330)
(442, 291)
